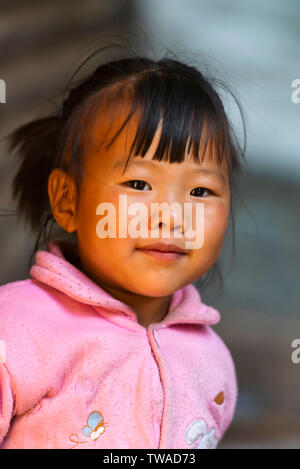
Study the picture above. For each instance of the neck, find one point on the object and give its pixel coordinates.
(147, 309)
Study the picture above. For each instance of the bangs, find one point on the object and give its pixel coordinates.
(190, 118)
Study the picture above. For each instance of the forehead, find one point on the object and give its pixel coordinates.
(109, 121)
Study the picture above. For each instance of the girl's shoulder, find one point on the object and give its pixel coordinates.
(33, 305)
(16, 300)
(20, 290)
(24, 298)
(14, 286)
(20, 303)
(15, 291)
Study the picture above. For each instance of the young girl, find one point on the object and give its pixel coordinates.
(108, 343)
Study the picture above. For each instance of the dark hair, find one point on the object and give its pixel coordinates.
(165, 88)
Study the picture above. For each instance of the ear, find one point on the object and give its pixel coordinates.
(62, 191)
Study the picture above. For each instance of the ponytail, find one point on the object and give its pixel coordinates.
(37, 146)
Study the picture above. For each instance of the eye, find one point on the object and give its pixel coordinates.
(199, 191)
(137, 184)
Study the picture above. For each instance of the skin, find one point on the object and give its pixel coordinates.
(144, 283)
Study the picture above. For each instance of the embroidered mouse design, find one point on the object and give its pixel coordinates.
(94, 428)
(197, 431)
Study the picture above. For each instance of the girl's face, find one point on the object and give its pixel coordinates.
(120, 263)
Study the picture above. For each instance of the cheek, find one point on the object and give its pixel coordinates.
(90, 224)
(89, 198)
(92, 194)
(215, 224)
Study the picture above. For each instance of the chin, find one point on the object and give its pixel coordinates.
(158, 291)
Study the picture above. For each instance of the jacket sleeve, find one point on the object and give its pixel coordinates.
(6, 401)
(226, 381)
(232, 391)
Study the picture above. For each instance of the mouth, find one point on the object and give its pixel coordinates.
(163, 251)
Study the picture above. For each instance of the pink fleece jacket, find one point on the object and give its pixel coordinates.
(78, 371)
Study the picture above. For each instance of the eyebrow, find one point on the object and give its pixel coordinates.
(202, 170)
(211, 171)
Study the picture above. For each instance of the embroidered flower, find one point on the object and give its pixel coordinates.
(197, 432)
(208, 441)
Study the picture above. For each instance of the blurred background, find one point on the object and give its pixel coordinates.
(254, 47)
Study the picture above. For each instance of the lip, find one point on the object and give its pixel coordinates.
(169, 252)
(164, 247)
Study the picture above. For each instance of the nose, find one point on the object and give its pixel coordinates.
(166, 219)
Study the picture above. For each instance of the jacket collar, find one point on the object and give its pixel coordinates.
(53, 269)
